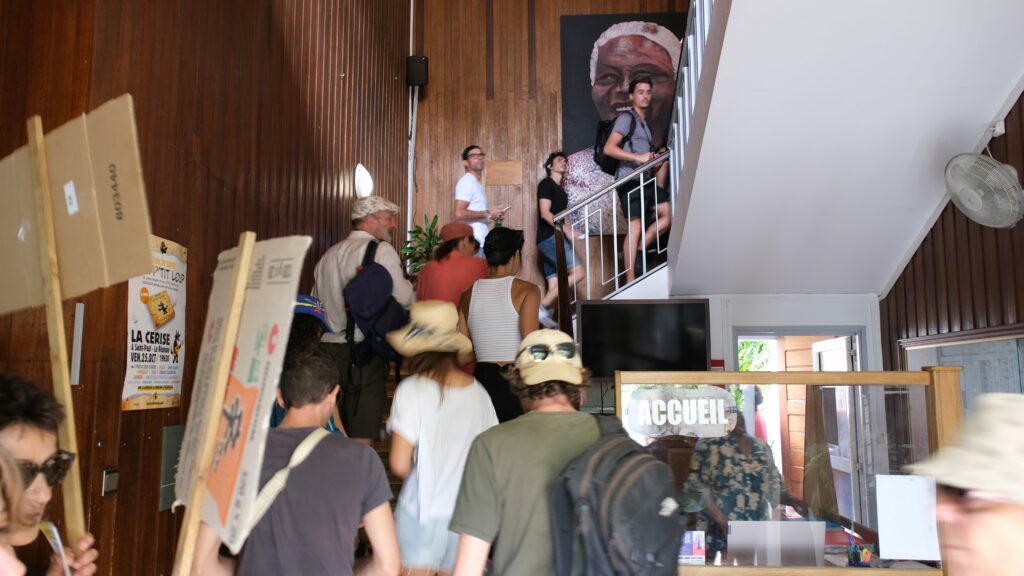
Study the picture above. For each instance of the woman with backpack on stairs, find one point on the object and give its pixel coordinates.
(437, 412)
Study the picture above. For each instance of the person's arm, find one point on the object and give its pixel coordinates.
(401, 288)
(380, 528)
(466, 358)
(544, 207)
(462, 212)
(400, 456)
(611, 148)
(207, 560)
(528, 319)
(471, 557)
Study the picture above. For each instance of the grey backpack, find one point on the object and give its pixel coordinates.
(621, 502)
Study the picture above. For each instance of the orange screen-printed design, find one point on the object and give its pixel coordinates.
(235, 421)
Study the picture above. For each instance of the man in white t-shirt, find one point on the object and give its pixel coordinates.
(470, 199)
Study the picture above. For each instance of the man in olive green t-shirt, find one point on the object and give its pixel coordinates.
(506, 487)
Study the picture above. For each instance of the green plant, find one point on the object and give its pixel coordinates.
(752, 355)
(419, 249)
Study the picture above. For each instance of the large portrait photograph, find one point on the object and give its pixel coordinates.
(601, 54)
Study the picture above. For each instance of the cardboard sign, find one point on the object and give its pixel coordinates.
(100, 215)
(233, 481)
(19, 250)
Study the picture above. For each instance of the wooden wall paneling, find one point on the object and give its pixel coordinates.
(978, 273)
(948, 227)
(503, 95)
(246, 119)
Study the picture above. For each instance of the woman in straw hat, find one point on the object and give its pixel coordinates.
(437, 412)
(10, 492)
(980, 478)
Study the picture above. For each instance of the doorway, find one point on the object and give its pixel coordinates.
(843, 435)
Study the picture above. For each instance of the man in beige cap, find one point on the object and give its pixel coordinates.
(511, 468)
(455, 265)
(373, 219)
(980, 478)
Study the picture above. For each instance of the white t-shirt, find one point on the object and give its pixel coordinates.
(441, 432)
(470, 190)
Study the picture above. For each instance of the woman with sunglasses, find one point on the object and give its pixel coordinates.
(10, 494)
(437, 412)
(29, 420)
(499, 311)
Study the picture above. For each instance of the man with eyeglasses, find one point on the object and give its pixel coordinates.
(504, 496)
(980, 477)
(29, 419)
(363, 382)
(470, 198)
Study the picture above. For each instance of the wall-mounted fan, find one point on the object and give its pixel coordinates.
(985, 190)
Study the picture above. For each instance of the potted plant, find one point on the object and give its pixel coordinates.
(419, 248)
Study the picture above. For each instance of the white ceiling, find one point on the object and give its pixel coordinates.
(829, 127)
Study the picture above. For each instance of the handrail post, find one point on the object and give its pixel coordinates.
(945, 407)
(564, 315)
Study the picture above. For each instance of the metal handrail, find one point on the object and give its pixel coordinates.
(688, 75)
(667, 155)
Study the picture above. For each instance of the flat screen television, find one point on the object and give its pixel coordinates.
(644, 335)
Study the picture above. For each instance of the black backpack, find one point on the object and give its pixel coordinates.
(621, 501)
(604, 130)
(369, 304)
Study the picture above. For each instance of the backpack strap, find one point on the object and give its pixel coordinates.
(279, 480)
(370, 254)
(609, 425)
(628, 138)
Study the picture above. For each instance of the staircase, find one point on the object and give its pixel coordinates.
(606, 272)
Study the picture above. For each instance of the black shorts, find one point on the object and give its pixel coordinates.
(629, 198)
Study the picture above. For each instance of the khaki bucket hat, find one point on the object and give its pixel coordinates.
(433, 327)
(988, 455)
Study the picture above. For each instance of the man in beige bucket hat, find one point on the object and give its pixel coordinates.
(980, 478)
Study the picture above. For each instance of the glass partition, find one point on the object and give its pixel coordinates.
(794, 487)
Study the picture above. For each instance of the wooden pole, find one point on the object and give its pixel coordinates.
(214, 403)
(71, 489)
(945, 408)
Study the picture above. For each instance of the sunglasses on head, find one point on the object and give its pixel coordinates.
(53, 470)
(542, 351)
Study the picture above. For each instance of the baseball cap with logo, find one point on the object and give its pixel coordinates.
(988, 456)
(311, 305)
(363, 207)
(549, 355)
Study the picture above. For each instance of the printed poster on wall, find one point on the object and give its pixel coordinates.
(156, 330)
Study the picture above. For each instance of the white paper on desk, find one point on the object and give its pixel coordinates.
(906, 518)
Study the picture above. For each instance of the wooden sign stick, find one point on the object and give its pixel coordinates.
(74, 516)
(214, 403)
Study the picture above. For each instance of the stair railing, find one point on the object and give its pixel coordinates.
(698, 25)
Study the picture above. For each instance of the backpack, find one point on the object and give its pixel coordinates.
(604, 131)
(369, 304)
(621, 501)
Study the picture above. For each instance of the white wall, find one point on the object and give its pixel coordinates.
(653, 286)
(794, 311)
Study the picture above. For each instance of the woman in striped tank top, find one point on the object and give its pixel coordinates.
(498, 312)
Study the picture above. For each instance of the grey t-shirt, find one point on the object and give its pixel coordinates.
(506, 487)
(638, 144)
(311, 526)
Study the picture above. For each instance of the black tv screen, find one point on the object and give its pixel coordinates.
(644, 335)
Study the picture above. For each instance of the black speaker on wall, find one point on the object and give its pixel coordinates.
(416, 70)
